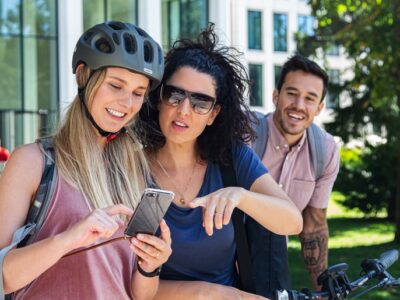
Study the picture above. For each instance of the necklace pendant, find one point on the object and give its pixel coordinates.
(182, 201)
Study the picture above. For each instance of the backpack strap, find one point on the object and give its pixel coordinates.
(261, 129)
(316, 141)
(44, 194)
(242, 249)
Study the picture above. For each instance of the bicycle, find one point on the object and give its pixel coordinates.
(337, 286)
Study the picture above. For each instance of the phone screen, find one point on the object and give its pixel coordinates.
(149, 213)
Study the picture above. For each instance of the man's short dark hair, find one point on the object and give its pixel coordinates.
(299, 62)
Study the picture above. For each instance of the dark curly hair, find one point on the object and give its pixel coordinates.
(223, 65)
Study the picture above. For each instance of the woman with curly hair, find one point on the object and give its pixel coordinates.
(194, 123)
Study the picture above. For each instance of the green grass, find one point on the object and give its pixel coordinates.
(352, 239)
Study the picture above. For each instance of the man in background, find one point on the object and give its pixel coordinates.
(304, 160)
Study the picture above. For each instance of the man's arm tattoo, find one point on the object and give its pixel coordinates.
(314, 247)
(314, 242)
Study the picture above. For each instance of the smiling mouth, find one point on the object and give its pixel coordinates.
(115, 113)
(295, 116)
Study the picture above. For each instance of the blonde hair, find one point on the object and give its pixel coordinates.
(108, 175)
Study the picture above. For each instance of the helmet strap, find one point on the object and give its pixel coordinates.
(107, 134)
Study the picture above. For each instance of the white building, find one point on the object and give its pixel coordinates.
(37, 39)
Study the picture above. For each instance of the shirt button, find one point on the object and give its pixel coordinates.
(286, 146)
(286, 158)
(281, 185)
(277, 147)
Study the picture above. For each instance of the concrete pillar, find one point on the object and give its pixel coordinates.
(70, 27)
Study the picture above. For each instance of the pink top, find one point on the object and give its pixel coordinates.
(101, 273)
(292, 168)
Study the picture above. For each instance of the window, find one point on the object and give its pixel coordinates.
(280, 32)
(332, 96)
(277, 74)
(306, 25)
(98, 11)
(182, 19)
(28, 61)
(254, 29)
(256, 88)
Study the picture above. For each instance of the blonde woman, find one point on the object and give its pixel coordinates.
(102, 172)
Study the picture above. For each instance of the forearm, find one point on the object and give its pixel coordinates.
(314, 247)
(22, 265)
(279, 215)
(144, 287)
(200, 290)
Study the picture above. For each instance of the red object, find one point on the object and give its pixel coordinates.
(4, 154)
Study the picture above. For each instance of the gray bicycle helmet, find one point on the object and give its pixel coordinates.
(118, 44)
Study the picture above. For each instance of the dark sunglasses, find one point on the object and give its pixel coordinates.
(173, 96)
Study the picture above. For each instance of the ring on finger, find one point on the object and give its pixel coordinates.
(218, 213)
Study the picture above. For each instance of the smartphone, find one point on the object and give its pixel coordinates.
(148, 214)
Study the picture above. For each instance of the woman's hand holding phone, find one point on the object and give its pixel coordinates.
(152, 251)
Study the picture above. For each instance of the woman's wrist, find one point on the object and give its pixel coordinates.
(145, 273)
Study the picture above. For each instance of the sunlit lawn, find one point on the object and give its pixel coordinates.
(352, 239)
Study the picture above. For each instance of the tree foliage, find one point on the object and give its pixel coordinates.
(369, 33)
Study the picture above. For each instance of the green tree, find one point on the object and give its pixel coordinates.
(369, 32)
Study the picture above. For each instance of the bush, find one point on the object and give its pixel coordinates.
(367, 178)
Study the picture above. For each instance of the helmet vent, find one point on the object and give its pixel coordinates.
(148, 52)
(130, 44)
(160, 55)
(117, 25)
(141, 32)
(103, 46)
(88, 35)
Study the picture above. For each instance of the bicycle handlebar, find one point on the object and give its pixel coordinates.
(388, 258)
(335, 284)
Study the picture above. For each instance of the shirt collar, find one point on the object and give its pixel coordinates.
(277, 139)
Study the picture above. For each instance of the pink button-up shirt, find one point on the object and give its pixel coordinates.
(292, 168)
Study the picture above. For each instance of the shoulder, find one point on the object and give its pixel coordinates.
(331, 145)
(30, 154)
(241, 150)
(25, 163)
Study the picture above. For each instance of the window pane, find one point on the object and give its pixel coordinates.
(183, 18)
(93, 13)
(280, 32)
(254, 29)
(170, 14)
(256, 89)
(39, 17)
(122, 10)
(306, 25)
(277, 74)
(9, 17)
(40, 74)
(10, 66)
(28, 62)
(193, 18)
